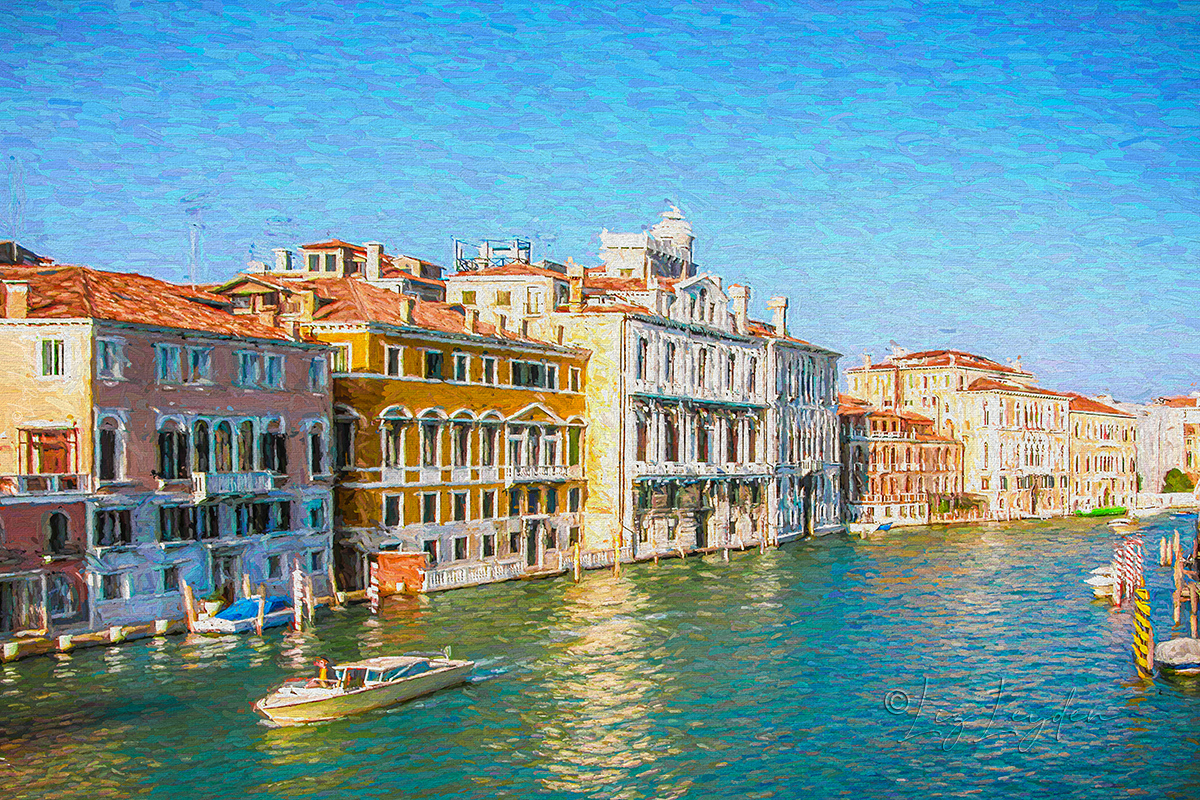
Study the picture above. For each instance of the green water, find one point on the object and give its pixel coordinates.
(798, 671)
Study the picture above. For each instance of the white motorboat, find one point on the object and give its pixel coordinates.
(357, 686)
(1178, 656)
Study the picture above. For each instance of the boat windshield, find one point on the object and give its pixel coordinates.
(409, 671)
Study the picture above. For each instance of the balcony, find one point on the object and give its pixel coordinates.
(215, 484)
(540, 472)
(45, 483)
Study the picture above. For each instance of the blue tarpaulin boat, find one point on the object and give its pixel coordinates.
(242, 616)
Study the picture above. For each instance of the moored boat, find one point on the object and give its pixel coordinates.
(357, 686)
(1178, 656)
(242, 616)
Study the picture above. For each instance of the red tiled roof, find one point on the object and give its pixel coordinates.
(1177, 402)
(515, 268)
(615, 308)
(1086, 404)
(992, 384)
(942, 358)
(609, 283)
(75, 292)
(331, 244)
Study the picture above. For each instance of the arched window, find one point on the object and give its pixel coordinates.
(202, 446)
(223, 447)
(110, 464)
(431, 433)
(172, 451)
(245, 446)
(58, 533)
(393, 423)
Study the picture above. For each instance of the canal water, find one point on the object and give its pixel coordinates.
(935, 662)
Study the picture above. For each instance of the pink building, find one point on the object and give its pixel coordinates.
(164, 437)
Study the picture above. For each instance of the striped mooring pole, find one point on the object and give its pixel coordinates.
(1143, 633)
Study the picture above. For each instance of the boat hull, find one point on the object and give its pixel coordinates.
(222, 626)
(366, 699)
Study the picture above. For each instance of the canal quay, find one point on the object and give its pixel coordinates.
(928, 662)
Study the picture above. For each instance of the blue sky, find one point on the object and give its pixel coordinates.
(1005, 177)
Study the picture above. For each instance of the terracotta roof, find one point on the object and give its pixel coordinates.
(609, 283)
(1177, 402)
(993, 384)
(616, 308)
(514, 268)
(331, 244)
(1087, 404)
(75, 292)
(942, 358)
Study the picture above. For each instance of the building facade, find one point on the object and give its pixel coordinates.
(897, 471)
(159, 440)
(455, 442)
(1103, 455)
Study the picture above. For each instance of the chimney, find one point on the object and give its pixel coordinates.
(779, 306)
(866, 360)
(740, 295)
(406, 309)
(307, 300)
(471, 319)
(283, 259)
(16, 299)
(575, 278)
(374, 251)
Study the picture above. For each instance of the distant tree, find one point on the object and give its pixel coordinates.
(1176, 481)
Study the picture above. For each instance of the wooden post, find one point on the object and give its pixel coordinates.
(725, 552)
(333, 589)
(262, 608)
(189, 607)
(616, 558)
(578, 568)
(297, 597)
(310, 600)
(245, 585)
(1193, 592)
(1162, 552)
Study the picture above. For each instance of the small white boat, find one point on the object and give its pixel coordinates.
(1123, 523)
(1102, 585)
(242, 616)
(361, 686)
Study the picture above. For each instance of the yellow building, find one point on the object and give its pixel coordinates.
(1103, 456)
(452, 439)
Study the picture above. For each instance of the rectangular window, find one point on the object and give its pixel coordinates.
(110, 359)
(534, 300)
(112, 528)
(314, 262)
(514, 543)
(468, 298)
(529, 373)
(318, 374)
(395, 361)
(331, 262)
(197, 364)
(274, 567)
(429, 502)
(552, 501)
(316, 561)
(551, 376)
(489, 503)
(275, 372)
(514, 502)
(316, 515)
(341, 358)
(433, 365)
(112, 587)
(460, 506)
(460, 548)
(576, 381)
(504, 298)
(572, 500)
(52, 357)
(391, 510)
(249, 367)
(534, 503)
(489, 545)
(460, 367)
(643, 354)
(175, 523)
(169, 583)
(206, 522)
(489, 370)
(550, 540)
(167, 360)
(431, 551)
